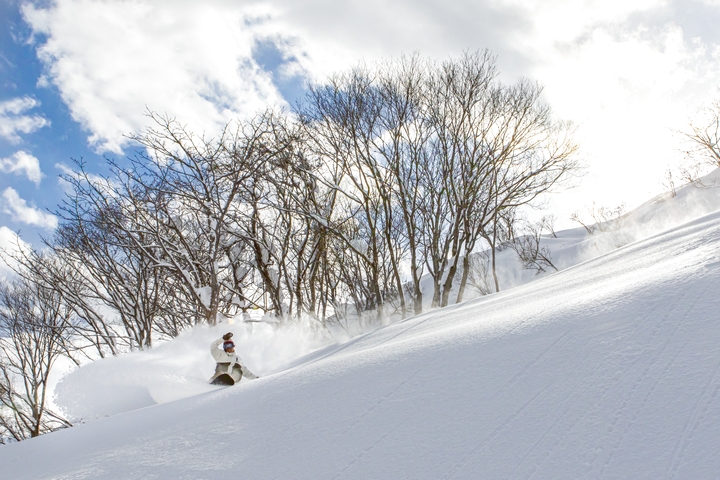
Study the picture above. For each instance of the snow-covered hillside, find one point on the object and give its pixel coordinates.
(607, 369)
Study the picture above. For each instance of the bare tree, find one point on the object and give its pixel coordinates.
(404, 149)
(91, 329)
(547, 222)
(529, 250)
(703, 135)
(430, 156)
(190, 205)
(668, 183)
(577, 216)
(507, 151)
(702, 147)
(114, 273)
(479, 275)
(599, 217)
(343, 120)
(461, 103)
(33, 335)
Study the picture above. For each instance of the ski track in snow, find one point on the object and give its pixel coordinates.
(662, 330)
(624, 409)
(695, 418)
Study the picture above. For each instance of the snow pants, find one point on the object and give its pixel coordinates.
(221, 368)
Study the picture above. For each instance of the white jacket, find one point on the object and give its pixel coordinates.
(232, 359)
(221, 356)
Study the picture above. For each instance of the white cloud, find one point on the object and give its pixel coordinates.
(629, 91)
(22, 212)
(22, 163)
(13, 120)
(628, 71)
(195, 60)
(192, 60)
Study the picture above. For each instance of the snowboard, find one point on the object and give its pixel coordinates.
(223, 379)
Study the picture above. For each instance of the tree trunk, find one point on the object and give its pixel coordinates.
(463, 280)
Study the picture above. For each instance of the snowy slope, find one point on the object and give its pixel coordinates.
(180, 368)
(609, 369)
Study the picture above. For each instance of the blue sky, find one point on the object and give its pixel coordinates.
(56, 141)
(77, 75)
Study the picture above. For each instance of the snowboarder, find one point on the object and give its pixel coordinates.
(229, 369)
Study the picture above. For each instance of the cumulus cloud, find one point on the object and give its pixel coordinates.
(20, 211)
(326, 37)
(191, 60)
(22, 163)
(13, 119)
(199, 61)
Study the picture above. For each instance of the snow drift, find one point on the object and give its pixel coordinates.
(177, 369)
(608, 369)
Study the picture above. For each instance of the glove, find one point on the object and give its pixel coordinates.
(227, 336)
